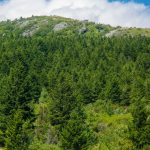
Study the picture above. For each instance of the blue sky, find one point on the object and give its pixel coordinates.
(121, 13)
(146, 2)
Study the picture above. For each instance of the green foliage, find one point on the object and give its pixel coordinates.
(45, 75)
(36, 145)
(113, 92)
(110, 124)
(63, 102)
(44, 131)
(18, 132)
(76, 134)
(140, 128)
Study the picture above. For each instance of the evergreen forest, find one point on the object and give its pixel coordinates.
(73, 85)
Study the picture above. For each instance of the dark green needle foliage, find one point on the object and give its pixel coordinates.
(77, 70)
(63, 102)
(140, 129)
(18, 132)
(76, 134)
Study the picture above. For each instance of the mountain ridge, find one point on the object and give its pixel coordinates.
(36, 24)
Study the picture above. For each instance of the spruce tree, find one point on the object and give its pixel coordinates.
(76, 134)
(140, 129)
(18, 133)
(63, 102)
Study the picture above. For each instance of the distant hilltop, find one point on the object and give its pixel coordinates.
(34, 25)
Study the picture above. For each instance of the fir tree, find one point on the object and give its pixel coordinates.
(76, 134)
(18, 133)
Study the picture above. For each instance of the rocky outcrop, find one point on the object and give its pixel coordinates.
(116, 32)
(23, 24)
(83, 29)
(60, 26)
(31, 31)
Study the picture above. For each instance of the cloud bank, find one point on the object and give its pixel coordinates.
(114, 13)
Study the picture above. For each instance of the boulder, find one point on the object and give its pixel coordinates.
(30, 32)
(60, 26)
(83, 30)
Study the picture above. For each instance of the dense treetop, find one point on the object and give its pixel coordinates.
(69, 84)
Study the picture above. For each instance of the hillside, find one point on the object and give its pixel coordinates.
(44, 25)
(73, 85)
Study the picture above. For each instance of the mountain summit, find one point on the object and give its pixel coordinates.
(44, 25)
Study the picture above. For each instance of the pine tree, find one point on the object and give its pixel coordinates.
(20, 92)
(76, 134)
(140, 129)
(63, 102)
(112, 91)
(18, 132)
(140, 110)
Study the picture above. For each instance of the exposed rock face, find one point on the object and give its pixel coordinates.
(83, 30)
(60, 26)
(116, 32)
(27, 33)
(24, 23)
(30, 32)
(44, 22)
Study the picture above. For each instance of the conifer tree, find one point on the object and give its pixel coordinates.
(140, 110)
(76, 134)
(63, 102)
(18, 133)
(140, 129)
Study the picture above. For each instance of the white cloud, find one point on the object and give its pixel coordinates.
(114, 13)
